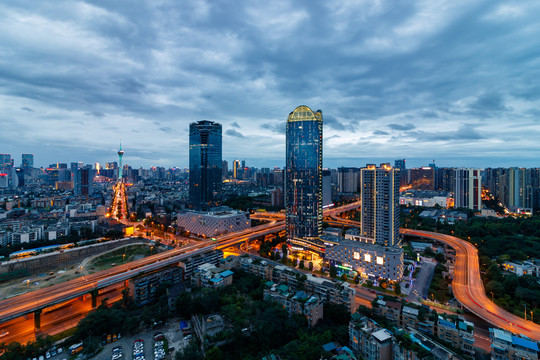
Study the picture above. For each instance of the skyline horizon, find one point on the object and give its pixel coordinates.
(272, 163)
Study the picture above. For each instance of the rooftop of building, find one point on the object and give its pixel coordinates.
(424, 193)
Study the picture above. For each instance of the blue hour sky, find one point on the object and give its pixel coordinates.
(455, 81)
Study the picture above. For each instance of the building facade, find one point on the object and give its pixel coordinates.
(205, 164)
(213, 223)
(304, 142)
(380, 204)
(468, 189)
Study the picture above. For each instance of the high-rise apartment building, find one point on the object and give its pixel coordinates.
(205, 164)
(468, 189)
(348, 180)
(376, 252)
(380, 204)
(303, 180)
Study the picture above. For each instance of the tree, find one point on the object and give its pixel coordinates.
(214, 353)
(301, 265)
(333, 271)
(310, 266)
(383, 283)
(284, 250)
(397, 288)
(191, 352)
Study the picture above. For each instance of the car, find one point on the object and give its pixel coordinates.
(188, 337)
(47, 355)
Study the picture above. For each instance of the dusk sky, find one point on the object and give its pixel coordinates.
(455, 81)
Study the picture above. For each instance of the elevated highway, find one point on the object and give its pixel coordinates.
(468, 287)
(36, 301)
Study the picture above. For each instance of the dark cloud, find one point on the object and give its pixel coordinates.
(278, 128)
(331, 122)
(97, 114)
(463, 133)
(490, 102)
(116, 66)
(232, 132)
(167, 129)
(401, 127)
(128, 85)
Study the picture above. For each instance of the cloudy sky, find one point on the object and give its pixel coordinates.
(457, 81)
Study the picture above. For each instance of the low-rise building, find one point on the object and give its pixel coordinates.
(521, 268)
(368, 340)
(426, 198)
(459, 333)
(298, 302)
(208, 275)
(216, 223)
(369, 260)
(507, 346)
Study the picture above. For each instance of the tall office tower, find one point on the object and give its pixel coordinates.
(205, 162)
(326, 187)
(380, 200)
(348, 180)
(303, 179)
(224, 169)
(27, 161)
(468, 189)
(120, 154)
(83, 181)
(236, 169)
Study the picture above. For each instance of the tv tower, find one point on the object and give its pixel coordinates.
(120, 154)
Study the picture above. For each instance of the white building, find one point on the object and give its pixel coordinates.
(211, 224)
(369, 260)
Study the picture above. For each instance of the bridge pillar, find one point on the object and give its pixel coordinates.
(37, 320)
(94, 294)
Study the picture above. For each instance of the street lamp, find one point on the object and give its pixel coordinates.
(491, 295)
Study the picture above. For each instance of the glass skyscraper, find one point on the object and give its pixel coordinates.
(205, 161)
(304, 137)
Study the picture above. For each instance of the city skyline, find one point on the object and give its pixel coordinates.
(449, 79)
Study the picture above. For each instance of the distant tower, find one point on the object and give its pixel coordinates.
(120, 154)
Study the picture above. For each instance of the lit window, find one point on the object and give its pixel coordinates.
(367, 257)
(356, 256)
(380, 260)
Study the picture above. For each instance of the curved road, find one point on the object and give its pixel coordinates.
(469, 290)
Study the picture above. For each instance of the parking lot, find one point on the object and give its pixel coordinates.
(170, 331)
